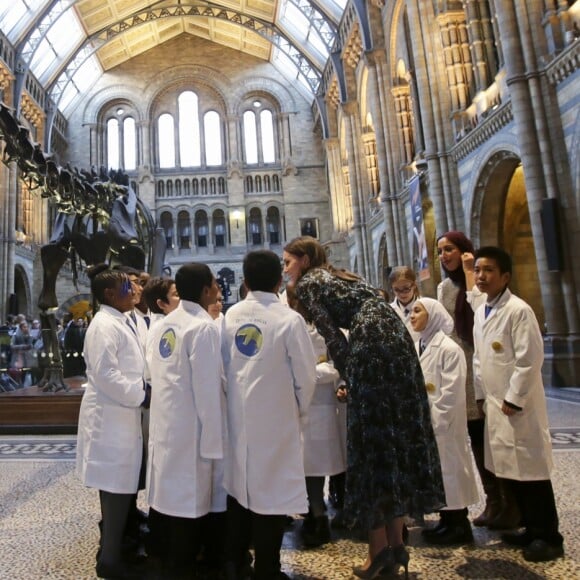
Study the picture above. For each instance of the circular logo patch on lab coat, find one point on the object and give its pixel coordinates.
(249, 339)
(167, 343)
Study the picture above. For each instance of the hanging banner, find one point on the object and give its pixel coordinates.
(419, 239)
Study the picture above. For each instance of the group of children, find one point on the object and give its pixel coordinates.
(507, 357)
(232, 404)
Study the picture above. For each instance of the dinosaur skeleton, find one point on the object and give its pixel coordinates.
(99, 219)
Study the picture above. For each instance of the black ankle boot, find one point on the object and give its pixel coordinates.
(315, 532)
(456, 531)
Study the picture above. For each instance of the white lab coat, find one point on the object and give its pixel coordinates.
(444, 368)
(324, 448)
(507, 365)
(109, 442)
(140, 324)
(406, 318)
(185, 434)
(270, 369)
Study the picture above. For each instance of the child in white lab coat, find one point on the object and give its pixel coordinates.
(444, 369)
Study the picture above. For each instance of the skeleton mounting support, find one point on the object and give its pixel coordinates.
(99, 218)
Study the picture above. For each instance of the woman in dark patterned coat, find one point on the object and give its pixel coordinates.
(393, 464)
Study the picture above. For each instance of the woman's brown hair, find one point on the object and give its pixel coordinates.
(308, 246)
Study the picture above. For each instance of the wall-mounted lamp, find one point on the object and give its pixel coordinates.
(237, 214)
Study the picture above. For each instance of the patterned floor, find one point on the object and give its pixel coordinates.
(64, 449)
(48, 522)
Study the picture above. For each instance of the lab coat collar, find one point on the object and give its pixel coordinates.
(194, 308)
(113, 312)
(497, 305)
(263, 297)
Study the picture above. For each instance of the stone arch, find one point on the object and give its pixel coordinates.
(190, 75)
(500, 217)
(262, 86)
(22, 291)
(106, 97)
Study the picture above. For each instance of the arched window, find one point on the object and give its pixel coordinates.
(249, 184)
(166, 222)
(189, 139)
(184, 230)
(250, 138)
(255, 225)
(259, 134)
(166, 135)
(203, 186)
(258, 184)
(169, 186)
(219, 227)
(267, 183)
(201, 228)
(113, 144)
(160, 189)
(275, 183)
(267, 129)
(178, 187)
(195, 186)
(221, 185)
(129, 144)
(213, 138)
(273, 225)
(186, 187)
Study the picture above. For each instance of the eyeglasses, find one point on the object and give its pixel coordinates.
(404, 290)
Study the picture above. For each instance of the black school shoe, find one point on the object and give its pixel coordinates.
(541, 551)
(519, 539)
(118, 572)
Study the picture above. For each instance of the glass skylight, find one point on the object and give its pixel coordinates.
(60, 40)
(16, 15)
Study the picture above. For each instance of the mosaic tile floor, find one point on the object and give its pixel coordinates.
(48, 522)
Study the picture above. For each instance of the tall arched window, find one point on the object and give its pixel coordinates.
(273, 225)
(219, 227)
(267, 129)
(201, 228)
(250, 138)
(113, 144)
(129, 144)
(255, 225)
(213, 138)
(189, 140)
(184, 229)
(259, 132)
(166, 132)
(166, 222)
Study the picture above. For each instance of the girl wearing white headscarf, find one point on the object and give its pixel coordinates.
(445, 369)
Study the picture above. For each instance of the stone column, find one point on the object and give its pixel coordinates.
(383, 113)
(284, 136)
(456, 48)
(530, 114)
(144, 144)
(434, 127)
(358, 186)
(336, 185)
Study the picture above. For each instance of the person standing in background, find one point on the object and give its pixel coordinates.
(110, 441)
(507, 364)
(393, 463)
(403, 282)
(444, 369)
(270, 367)
(460, 297)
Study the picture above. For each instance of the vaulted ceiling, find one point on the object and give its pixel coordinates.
(67, 44)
